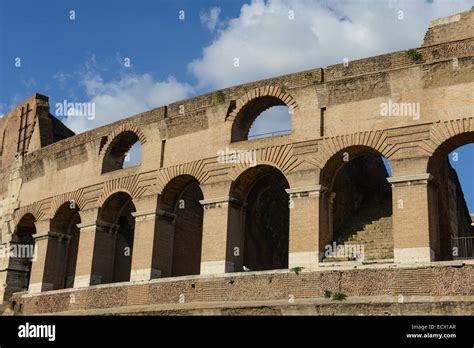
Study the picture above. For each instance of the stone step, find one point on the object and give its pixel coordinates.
(371, 227)
(382, 242)
(410, 282)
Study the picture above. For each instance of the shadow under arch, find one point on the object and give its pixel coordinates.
(113, 246)
(262, 234)
(180, 198)
(21, 255)
(64, 223)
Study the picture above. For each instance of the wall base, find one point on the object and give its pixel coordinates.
(217, 267)
(144, 274)
(413, 255)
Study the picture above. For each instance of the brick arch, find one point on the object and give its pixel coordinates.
(281, 157)
(375, 140)
(446, 136)
(129, 184)
(116, 195)
(259, 170)
(252, 104)
(125, 127)
(174, 189)
(265, 91)
(356, 144)
(58, 201)
(337, 162)
(37, 209)
(194, 169)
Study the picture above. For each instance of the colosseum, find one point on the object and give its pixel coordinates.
(358, 199)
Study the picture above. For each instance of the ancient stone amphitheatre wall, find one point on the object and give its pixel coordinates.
(185, 212)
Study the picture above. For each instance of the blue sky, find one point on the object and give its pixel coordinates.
(82, 60)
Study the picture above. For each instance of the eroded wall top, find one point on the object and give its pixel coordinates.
(28, 127)
(452, 28)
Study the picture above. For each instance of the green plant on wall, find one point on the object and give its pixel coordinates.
(413, 54)
(220, 96)
(297, 270)
(339, 296)
(335, 296)
(327, 293)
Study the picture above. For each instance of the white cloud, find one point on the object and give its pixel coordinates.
(61, 78)
(124, 97)
(268, 42)
(211, 18)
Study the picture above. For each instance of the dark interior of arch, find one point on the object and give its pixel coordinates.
(182, 197)
(340, 159)
(115, 155)
(248, 114)
(19, 279)
(362, 206)
(266, 209)
(114, 246)
(188, 232)
(449, 211)
(65, 222)
(173, 190)
(25, 230)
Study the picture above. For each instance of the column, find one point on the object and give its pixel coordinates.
(413, 240)
(222, 244)
(309, 228)
(48, 263)
(153, 244)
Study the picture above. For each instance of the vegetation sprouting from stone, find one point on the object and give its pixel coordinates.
(220, 96)
(413, 54)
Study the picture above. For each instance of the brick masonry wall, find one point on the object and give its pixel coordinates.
(362, 82)
(434, 281)
(451, 28)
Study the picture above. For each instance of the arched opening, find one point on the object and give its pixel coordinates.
(265, 218)
(123, 152)
(452, 198)
(22, 254)
(260, 118)
(116, 238)
(358, 207)
(181, 197)
(65, 223)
